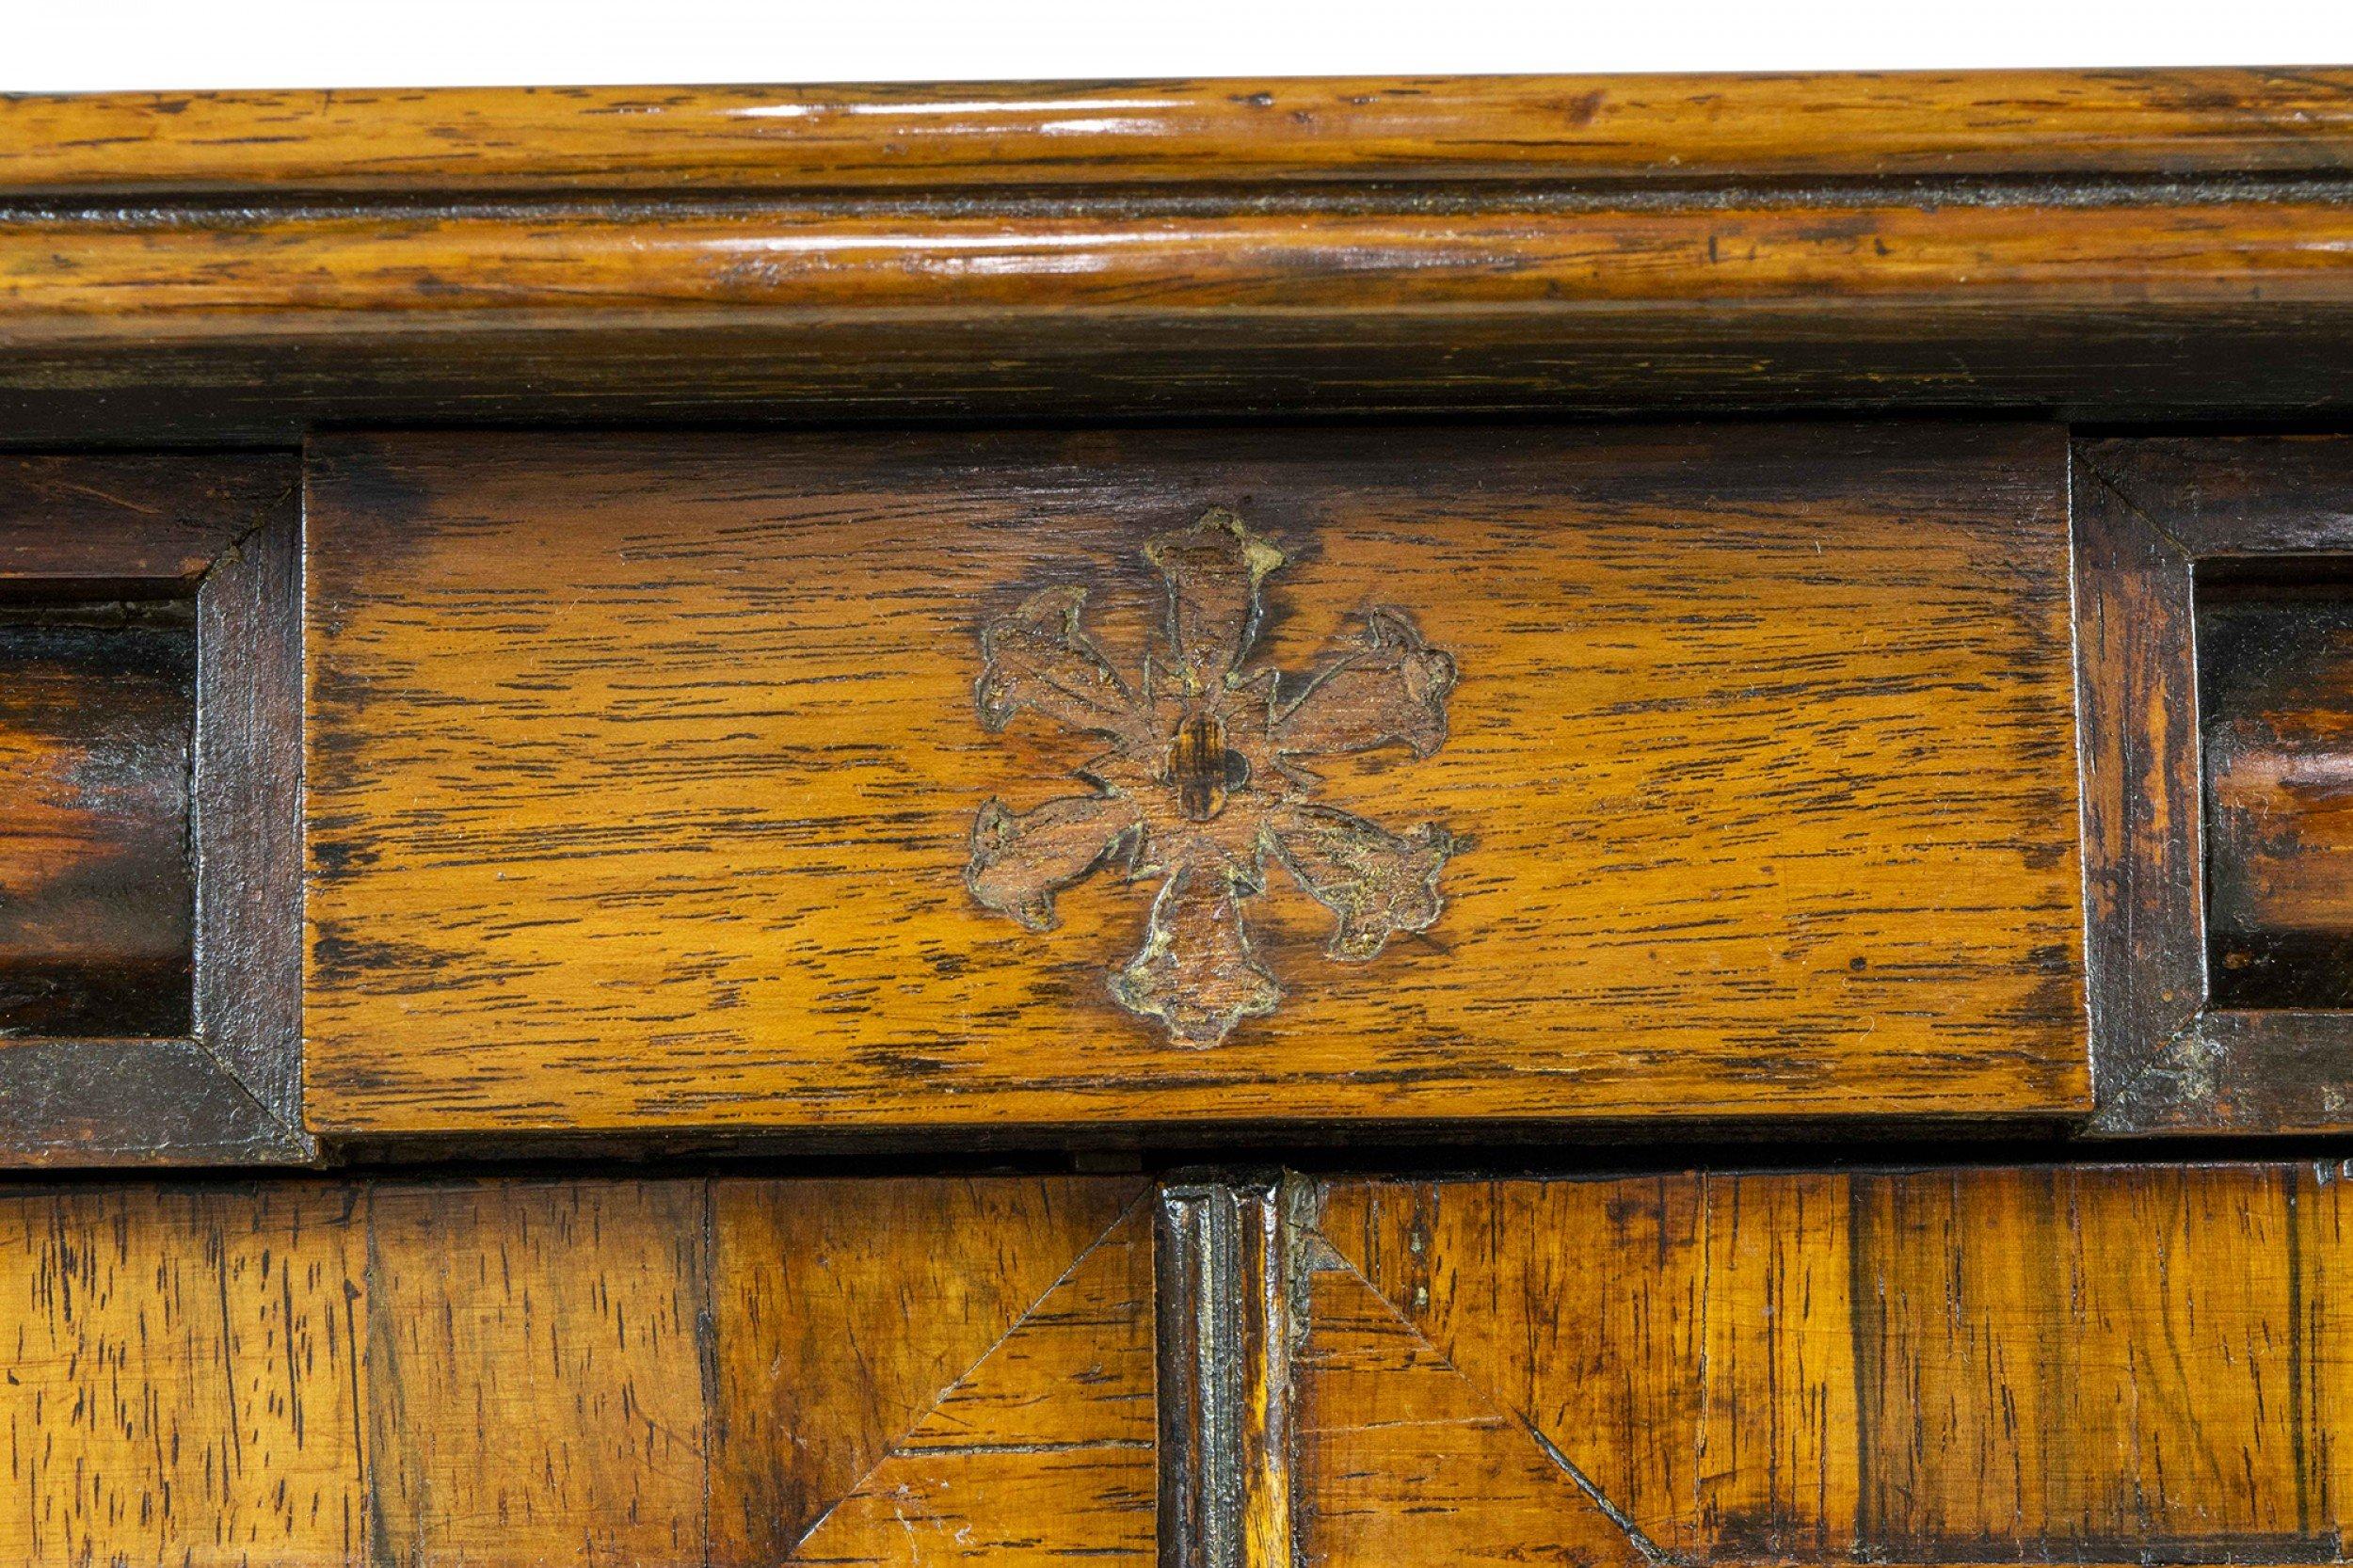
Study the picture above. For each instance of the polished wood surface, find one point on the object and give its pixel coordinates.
(1028, 770)
(1030, 133)
(182, 1376)
(97, 899)
(1970, 1366)
(95, 526)
(2204, 568)
(536, 1372)
(149, 942)
(2275, 716)
(1995, 1365)
(645, 780)
(2121, 244)
(466, 273)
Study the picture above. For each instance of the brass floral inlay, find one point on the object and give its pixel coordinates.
(1203, 784)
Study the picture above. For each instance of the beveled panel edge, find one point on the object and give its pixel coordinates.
(2147, 509)
(226, 528)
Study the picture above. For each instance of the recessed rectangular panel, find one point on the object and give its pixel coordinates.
(97, 716)
(150, 810)
(2275, 707)
(676, 781)
(1985, 1365)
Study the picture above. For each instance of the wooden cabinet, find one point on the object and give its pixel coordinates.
(1228, 825)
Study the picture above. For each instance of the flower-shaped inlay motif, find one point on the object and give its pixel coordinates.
(1204, 785)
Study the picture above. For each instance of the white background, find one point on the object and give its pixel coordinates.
(82, 45)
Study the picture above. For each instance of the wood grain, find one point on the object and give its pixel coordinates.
(833, 1354)
(1760, 751)
(180, 1376)
(2164, 1400)
(483, 271)
(97, 893)
(2212, 958)
(150, 946)
(1402, 1459)
(1044, 1452)
(2124, 244)
(1991, 1365)
(533, 1372)
(520, 1372)
(246, 835)
(2275, 710)
(91, 527)
(1030, 133)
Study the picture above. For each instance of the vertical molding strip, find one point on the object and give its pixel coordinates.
(1222, 1247)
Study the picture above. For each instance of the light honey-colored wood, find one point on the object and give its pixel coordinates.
(1390, 1435)
(838, 1352)
(523, 1373)
(181, 1377)
(2093, 1365)
(1044, 1452)
(1031, 132)
(643, 775)
(533, 1372)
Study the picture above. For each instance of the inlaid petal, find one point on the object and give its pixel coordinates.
(1213, 571)
(1195, 971)
(1039, 658)
(1392, 686)
(1020, 862)
(1377, 882)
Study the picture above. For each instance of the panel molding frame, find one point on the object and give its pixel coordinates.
(225, 532)
(2147, 511)
(487, 954)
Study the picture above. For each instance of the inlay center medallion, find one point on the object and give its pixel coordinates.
(1203, 783)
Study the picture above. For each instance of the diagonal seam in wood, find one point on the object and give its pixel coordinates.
(890, 1449)
(2115, 490)
(1648, 1549)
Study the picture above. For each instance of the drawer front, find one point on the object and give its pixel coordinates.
(1036, 779)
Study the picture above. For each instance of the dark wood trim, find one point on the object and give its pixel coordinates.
(227, 531)
(248, 805)
(134, 1102)
(2146, 513)
(127, 521)
(1221, 1273)
(2102, 244)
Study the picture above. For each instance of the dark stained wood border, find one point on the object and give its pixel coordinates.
(227, 531)
(2146, 512)
(1223, 1270)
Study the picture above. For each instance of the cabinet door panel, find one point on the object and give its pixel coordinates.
(529, 1373)
(2094, 1364)
(1180, 778)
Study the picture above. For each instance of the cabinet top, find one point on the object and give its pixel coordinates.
(2121, 246)
(1375, 129)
